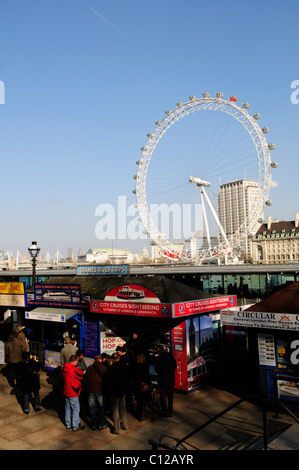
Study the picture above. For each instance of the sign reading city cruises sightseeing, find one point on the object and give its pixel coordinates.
(131, 300)
(193, 307)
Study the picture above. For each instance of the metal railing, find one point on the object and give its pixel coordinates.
(265, 404)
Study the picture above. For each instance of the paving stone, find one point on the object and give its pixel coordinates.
(45, 430)
(16, 444)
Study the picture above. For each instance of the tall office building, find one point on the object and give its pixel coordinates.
(237, 202)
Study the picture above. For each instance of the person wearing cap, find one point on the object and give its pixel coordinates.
(116, 383)
(22, 337)
(68, 350)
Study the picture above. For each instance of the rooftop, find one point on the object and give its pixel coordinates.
(283, 301)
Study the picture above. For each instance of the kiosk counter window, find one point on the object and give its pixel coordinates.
(49, 326)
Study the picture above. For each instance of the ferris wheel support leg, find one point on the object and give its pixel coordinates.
(205, 217)
(215, 217)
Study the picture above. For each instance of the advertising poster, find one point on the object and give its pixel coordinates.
(13, 294)
(91, 343)
(178, 336)
(52, 359)
(191, 347)
(109, 340)
(288, 390)
(199, 339)
(266, 350)
(99, 339)
(58, 295)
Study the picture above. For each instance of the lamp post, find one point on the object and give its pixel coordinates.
(34, 251)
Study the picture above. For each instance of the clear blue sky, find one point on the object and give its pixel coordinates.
(85, 82)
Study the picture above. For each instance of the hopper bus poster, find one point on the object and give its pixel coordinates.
(191, 345)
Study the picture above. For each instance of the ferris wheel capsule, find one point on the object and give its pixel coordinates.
(192, 98)
(271, 147)
(256, 116)
(245, 105)
(233, 98)
(274, 165)
(269, 203)
(179, 103)
(219, 94)
(206, 94)
(265, 130)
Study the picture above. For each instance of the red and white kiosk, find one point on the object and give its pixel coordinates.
(189, 322)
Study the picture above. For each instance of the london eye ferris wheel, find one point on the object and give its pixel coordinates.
(207, 142)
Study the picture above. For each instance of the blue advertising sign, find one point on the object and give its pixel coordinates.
(58, 295)
(91, 346)
(99, 270)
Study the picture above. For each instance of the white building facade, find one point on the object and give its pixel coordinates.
(237, 202)
(277, 242)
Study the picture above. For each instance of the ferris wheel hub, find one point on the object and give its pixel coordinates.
(199, 181)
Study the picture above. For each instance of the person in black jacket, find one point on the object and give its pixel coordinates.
(165, 368)
(142, 385)
(30, 382)
(116, 384)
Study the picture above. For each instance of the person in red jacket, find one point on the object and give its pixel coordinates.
(72, 386)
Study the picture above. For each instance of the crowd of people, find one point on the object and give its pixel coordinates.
(112, 386)
(115, 384)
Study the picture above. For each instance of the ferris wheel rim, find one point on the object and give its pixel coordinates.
(183, 109)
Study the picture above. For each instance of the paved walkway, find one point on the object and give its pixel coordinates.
(45, 430)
